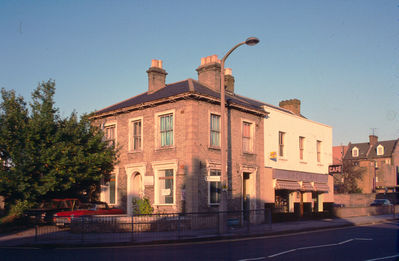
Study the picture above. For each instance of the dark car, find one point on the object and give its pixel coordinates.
(338, 205)
(64, 218)
(381, 202)
(44, 213)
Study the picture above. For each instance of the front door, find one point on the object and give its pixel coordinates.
(246, 193)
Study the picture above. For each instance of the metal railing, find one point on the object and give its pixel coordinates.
(152, 227)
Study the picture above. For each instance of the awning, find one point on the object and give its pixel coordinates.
(307, 186)
(321, 187)
(287, 184)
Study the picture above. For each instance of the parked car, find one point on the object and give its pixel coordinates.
(64, 218)
(381, 202)
(44, 213)
(338, 205)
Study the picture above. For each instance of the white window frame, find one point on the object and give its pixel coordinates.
(157, 134)
(380, 150)
(131, 134)
(213, 179)
(301, 145)
(355, 152)
(252, 135)
(209, 130)
(109, 124)
(105, 190)
(159, 166)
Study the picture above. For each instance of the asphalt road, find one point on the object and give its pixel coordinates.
(373, 242)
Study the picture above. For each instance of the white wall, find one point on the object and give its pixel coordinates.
(294, 127)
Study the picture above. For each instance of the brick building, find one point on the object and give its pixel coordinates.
(380, 161)
(169, 140)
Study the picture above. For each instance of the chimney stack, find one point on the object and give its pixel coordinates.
(156, 76)
(373, 140)
(229, 80)
(209, 72)
(293, 105)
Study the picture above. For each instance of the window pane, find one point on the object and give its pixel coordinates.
(215, 130)
(165, 192)
(166, 130)
(215, 188)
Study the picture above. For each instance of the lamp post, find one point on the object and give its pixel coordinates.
(223, 177)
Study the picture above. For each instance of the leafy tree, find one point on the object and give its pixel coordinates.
(347, 182)
(46, 156)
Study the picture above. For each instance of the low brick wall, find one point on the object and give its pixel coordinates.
(365, 211)
(354, 200)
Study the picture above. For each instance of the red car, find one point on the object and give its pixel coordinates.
(64, 218)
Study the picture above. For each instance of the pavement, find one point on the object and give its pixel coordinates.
(50, 236)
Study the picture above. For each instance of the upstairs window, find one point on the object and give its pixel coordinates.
(110, 135)
(247, 136)
(301, 147)
(355, 152)
(281, 139)
(215, 130)
(318, 149)
(137, 138)
(380, 150)
(166, 130)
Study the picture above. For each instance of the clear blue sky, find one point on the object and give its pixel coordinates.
(340, 58)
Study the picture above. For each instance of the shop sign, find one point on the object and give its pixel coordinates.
(273, 156)
(335, 169)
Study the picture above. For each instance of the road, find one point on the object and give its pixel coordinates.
(373, 242)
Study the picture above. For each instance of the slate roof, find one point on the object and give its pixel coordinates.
(188, 86)
(370, 152)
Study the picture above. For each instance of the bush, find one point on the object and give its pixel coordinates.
(142, 206)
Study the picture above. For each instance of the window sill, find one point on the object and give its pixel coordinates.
(282, 159)
(165, 205)
(320, 165)
(165, 148)
(303, 162)
(134, 151)
(213, 148)
(248, 153)
(214, 205)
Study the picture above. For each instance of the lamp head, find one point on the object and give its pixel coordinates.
(251, 41)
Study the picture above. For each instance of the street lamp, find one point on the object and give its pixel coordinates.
(223, 177)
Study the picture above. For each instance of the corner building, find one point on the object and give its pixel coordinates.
(169, 140)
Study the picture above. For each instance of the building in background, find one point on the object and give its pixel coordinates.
(298, 152)
(380, 161)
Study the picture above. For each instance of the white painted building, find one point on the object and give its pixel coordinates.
(298, 152)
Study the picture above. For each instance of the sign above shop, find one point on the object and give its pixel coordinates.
(335, 169)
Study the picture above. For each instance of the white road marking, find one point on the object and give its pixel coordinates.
(253, 259)
(382, 258)
(319, 246)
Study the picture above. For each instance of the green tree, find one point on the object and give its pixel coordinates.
(347, 182)
(44, 155)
